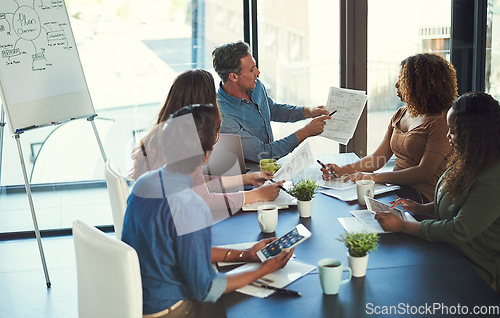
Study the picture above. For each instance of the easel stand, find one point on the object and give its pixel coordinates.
(32, 208)
(101, 148)
(30, 198)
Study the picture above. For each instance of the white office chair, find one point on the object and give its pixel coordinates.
(118, 193)
(108, 275)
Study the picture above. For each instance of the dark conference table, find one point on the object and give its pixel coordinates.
(407, 277)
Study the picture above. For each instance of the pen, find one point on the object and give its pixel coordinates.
(332, 113)
(325, 167)
(278, 290)
(272, 180)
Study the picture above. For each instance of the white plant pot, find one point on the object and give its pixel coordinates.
(358, 265)
(305, 208)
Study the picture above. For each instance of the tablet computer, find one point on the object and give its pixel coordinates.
(376, 206)
(291, 239)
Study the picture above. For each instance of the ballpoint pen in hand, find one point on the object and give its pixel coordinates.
(277, 289)
(328, 169)
(281, 187)
(332, 113)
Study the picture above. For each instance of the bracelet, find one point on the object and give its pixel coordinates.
(227, 254)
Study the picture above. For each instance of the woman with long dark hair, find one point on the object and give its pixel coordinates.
(197, 86)
(466, 200)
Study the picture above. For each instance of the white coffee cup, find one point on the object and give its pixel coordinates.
(365, 187)
(330, 275)
(268, 217)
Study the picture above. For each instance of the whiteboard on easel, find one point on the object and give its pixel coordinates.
(41, 76)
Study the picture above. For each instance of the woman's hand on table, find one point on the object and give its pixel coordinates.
(361, 176)
(389, 221)
(269, 192)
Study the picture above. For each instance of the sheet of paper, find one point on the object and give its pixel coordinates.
(361, 221)
(351, 194)
(336, 184)
(281, 278)
(299, 160)
(352, 225)
(349, 105)
(367, 218)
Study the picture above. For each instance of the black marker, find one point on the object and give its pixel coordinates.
(325, 167)
(278, 290)
(332, 113)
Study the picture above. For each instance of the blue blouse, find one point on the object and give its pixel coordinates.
(169, 227)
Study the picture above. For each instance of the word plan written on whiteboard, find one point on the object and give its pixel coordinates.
(41, 77)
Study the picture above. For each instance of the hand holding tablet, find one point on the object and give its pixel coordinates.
(375, 206)
(291, 239)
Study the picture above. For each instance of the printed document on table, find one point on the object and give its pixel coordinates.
(292, 271)
(364, 221)
(349, 105)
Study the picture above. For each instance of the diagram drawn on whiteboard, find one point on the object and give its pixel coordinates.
(38, 56)
(41, 77)
(30, 35)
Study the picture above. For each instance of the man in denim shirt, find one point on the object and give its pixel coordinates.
(247, 110)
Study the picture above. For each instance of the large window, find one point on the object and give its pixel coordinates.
(131, 51)
(299, 57)
(396, 30)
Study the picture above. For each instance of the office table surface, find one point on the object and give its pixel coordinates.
(407, 276)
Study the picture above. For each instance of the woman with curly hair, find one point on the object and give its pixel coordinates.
(417, 132)
(466, 200)
(197, 86)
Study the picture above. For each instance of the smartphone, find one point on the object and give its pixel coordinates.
(375, 206)
(296, 236)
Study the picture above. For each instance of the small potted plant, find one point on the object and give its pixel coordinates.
(304, 191)
(358, 246)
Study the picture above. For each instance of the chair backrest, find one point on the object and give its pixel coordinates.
(108, 274)
(118, 193)
(226, 157)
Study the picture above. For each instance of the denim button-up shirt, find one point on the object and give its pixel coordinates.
(251, 119)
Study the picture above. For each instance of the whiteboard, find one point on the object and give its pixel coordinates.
(41, 77)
